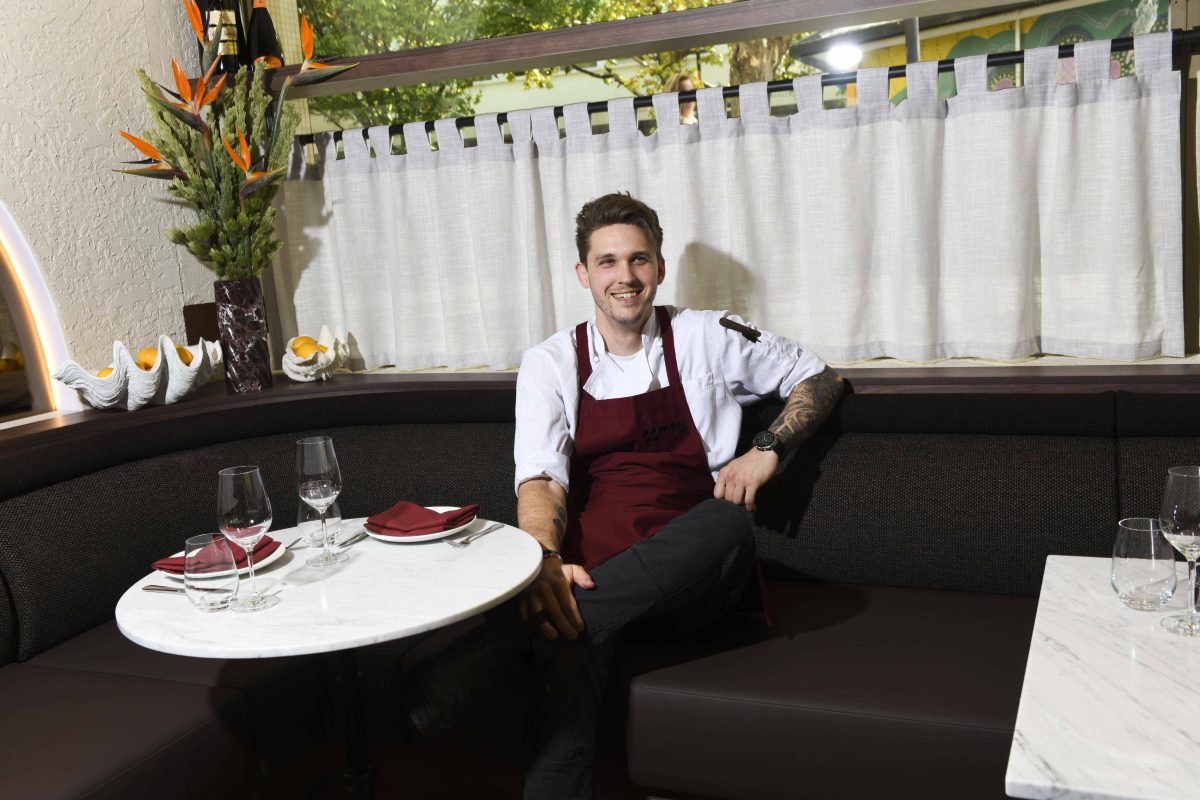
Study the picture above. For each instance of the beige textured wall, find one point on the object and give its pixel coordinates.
(67, 85)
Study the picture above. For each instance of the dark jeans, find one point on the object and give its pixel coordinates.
(687, 575)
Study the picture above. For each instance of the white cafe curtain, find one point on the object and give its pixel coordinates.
(994, 224)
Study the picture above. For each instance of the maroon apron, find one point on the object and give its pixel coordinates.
(639, 462)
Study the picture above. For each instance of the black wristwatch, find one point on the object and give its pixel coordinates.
(767, 440)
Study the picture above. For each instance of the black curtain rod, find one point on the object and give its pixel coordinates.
(1180, 39)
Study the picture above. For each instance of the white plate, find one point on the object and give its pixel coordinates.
(259, 563)
(425, 537)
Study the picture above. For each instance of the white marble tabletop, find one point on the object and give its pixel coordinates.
(1109, 707)
(383, 591)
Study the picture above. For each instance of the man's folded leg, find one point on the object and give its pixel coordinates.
(696, 566)
(691, 571)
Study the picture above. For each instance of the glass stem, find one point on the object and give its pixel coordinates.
(1191, 588)
(325, 535)
(250, 564)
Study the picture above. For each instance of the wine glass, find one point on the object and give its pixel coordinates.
(1181, 526)
(319, 481)
(244, 516)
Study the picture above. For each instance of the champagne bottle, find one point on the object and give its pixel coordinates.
(224, 14)
(261, 41)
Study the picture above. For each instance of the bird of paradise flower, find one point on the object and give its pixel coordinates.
(190, 100)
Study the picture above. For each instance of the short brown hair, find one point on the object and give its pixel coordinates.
(615, 209)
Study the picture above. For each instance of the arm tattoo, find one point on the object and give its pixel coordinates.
(560, 521)
(807, 407)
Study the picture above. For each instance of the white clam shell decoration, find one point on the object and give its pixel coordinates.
(318, 366)
(130, 387)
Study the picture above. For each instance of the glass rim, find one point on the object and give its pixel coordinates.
(1141, 524)
(244, 469)
(211, 537)
(314, 439)
(1185, 472)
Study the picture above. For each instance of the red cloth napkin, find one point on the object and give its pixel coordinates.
(266, 545)
(410, 519)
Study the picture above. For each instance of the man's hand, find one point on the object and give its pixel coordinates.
(740, 479)
(807, 407)
(549, 605)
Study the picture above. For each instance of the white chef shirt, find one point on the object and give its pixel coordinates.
(721, 371)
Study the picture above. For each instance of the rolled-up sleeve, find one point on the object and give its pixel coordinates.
(542, 444)
(771, 366)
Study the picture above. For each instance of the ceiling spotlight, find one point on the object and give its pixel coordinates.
(844, 57)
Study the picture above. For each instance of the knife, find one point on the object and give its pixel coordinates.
(352, 540)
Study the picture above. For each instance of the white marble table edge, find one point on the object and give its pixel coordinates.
(1049, 782)
(206, 650)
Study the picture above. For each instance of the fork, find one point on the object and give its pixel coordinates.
(466, 540)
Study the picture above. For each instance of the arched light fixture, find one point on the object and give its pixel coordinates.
(35, 317)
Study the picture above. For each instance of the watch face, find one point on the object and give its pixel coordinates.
(765, 440)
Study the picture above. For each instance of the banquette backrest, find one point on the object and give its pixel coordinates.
(945, 491)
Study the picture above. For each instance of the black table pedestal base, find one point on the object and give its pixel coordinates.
(360, 773)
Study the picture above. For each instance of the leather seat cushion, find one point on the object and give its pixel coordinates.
(268, 684)
(73, 734)
(856, 691)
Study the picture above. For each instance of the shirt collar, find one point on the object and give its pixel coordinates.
(598, 347)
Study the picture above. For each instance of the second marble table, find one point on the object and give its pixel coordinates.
(1108, 707)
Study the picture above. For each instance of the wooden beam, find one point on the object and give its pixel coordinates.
(698, 27)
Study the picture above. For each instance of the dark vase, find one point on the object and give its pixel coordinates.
(242, 323)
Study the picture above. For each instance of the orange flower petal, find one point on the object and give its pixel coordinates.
(198, 96)
(211, 69)
(144, 147)
(306, 37)
(181, 82)
(233, 155)
(245, 149)
(270, 62)
(193, 12)
(215, 91)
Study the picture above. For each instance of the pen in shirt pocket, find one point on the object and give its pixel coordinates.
(744, 330)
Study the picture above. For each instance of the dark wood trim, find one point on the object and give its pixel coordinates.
(749, 19)
(1152, 379)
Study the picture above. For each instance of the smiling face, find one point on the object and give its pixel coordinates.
(623, 271)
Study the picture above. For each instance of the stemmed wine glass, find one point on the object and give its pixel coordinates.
(244, 516)
(1181, 526)
(319, 482)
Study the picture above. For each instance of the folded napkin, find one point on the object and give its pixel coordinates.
(266, 545)
(410, 519)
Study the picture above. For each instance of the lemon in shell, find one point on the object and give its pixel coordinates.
(104, 373)
(305, 346)
(146, 357)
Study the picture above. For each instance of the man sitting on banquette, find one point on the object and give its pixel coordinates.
(626, 428)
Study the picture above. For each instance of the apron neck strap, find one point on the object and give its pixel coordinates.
(668, 337)
(582, 357)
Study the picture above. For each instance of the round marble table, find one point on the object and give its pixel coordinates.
(383, 591)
